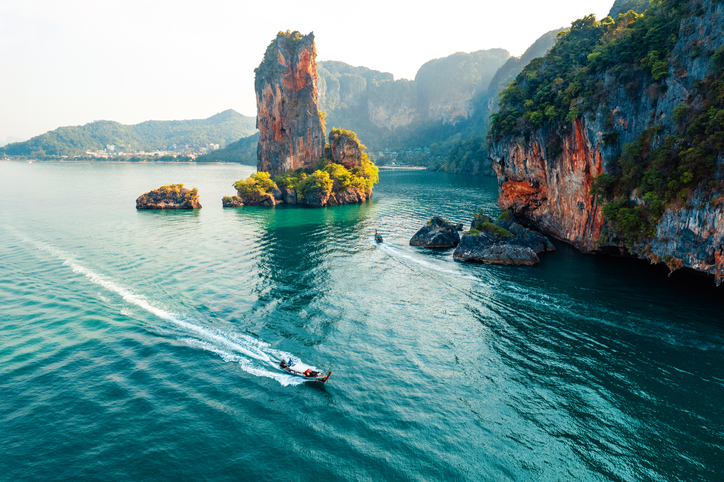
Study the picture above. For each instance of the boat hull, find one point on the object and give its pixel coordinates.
(322, 379)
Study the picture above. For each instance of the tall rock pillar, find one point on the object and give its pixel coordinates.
(290, 128)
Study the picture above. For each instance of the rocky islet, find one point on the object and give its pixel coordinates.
(295, 163)
(173, 196)
(501, 242)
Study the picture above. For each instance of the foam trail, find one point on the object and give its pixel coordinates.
(391, 251)
(245, 350)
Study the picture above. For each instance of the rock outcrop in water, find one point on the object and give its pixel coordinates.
(635, 165)
(438, 234)
(501, 242)
(291, 135)
(174, 196)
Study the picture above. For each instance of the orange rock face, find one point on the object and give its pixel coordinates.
(552, 191)
(290, 128)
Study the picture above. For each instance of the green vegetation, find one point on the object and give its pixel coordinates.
(259, 184)
(318, 181)
(326, 177)
(667, 175)
(176, 189)
(505, 216)
(494, 229)
(567, 83)
(222, 129)
(473, 232)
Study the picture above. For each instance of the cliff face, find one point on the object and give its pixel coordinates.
(346, 151)
(555, 196)
(290, 128)
(388, 112)
(446, 87)
(546, 174)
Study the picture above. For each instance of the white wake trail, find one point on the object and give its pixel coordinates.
(253, 356)
(397, 253)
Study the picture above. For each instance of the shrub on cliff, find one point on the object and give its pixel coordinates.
(362, 177)
(259, 184)
(290, 179)
(318, 182)
(493, 229)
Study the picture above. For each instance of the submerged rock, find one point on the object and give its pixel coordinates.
(501, 242)
(437, 234)
(174, 196)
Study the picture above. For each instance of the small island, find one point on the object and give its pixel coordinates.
(295, 163)
(173, 196)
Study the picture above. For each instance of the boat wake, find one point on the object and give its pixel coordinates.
(398, 253)
(252, 355)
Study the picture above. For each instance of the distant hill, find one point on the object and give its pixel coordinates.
(242, 151)
(223, 128)
(515, 65)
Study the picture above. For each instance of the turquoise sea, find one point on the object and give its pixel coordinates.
(142, 346)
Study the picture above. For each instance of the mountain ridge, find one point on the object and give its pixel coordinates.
(222, 128)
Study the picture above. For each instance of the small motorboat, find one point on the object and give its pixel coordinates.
(309, 375)
(378, 237)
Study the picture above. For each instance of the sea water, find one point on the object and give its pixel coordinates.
(144, 345)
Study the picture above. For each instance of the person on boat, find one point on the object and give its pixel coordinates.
(308, 373)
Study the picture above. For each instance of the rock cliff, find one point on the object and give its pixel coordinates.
(290, 128)
(628, 156)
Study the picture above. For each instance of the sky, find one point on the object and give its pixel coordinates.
(70, 62)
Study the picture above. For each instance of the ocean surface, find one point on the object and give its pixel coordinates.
(143, 345)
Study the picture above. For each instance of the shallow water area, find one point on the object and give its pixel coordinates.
(144, 345)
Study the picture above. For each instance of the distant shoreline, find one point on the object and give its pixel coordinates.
(70, 161)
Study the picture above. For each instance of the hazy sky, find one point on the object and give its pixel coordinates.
(69, 62)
